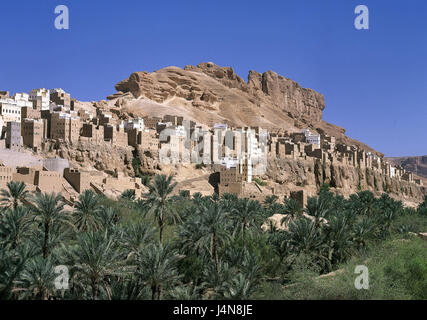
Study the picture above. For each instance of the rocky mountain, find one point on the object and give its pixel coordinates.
(417, 165)
(208, 93)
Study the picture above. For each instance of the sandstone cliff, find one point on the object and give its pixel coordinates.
(101, 156)
(208, 93)
(288, 175)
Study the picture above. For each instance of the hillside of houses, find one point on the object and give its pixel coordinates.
(76, 146)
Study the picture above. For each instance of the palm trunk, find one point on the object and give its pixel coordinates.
(161, 233)
(244, 235)
(46, 240)
(153, 292)
(44, 294)
(215, 251)
(161, 226)
(94, 283)
(159, 292)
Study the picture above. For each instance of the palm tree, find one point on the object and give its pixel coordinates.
(37, 279)
(86, 212)
(339, 238)
(386, 203)
(271, 205)
(197, 196)
(128, 195)
(215, 278)
(422, 208)
(15, 226)
(158, 268)
(270, 200)
(386, 220)
(185, 292)
(190, 234)
(107, 217)
(291, 209)
(127, 288)
(280, 245)
(364, 203)
(158, 200)
(213, 226)
(248, 214)
(238, 288)
(11, 266)
(137, 236)
(48, 210)
(184, 194)
(95, 257)
(305, 237)
(215, 197)
(251, 267)
(362, 231)
(228, 201)
(14, 195)
(318, 208)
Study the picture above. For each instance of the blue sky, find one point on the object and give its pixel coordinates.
(374, 81)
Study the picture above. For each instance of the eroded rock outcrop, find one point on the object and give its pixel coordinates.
(209, 93)
(288, 95)
(100, 156)
(312, 173)
(189, 83)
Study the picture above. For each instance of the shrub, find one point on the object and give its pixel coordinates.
(259, 182)
(200, 166)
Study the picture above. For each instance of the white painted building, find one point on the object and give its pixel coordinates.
(392, 172)
(41, 97)
(2, 123)
(22, 99)
(229, 162)
(9, 110)
(57, 90)
(180, 131)
(312, 138)
(137, 123)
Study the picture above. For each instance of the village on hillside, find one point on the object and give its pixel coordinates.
(237, 154)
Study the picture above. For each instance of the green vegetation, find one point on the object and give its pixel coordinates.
(200, 166)
(260, 182)
(168, 246)
(136, 165)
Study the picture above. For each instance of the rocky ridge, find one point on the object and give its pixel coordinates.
(208, 93)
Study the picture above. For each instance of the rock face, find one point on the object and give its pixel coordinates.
(208, 93)
(310, 174)
(417, 165)
(288, 95)
(102, 156)
(267, 88)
